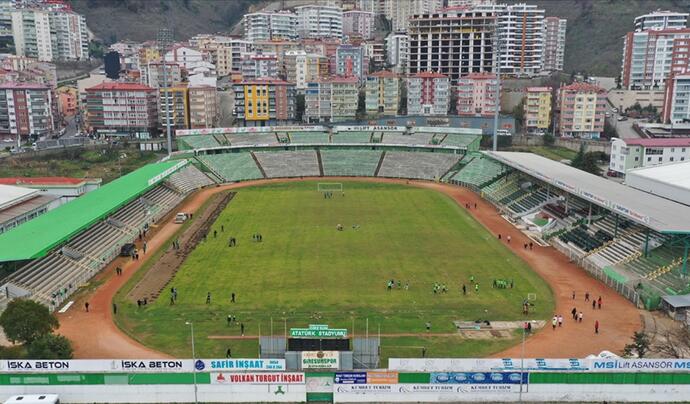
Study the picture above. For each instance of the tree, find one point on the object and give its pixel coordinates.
(674, 343)
(609, 130)
(453, 101)
(25, 321)
(402, 108)
(639, 346)
(548, 139)
(299, 107)
(579, 158)
(50, 346)
(519, 115)
(361, 105)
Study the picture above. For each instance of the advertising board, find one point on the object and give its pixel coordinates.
(320, 359)
(258, 378)
(139, 365)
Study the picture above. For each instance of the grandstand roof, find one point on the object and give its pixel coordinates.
(10, 195)
(649, 210)
(37, 237)
(675, 174)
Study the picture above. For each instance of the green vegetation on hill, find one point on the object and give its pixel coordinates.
(306, 271)
(139, 20)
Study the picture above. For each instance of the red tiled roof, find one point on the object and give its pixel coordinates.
(265, 80)
(479, 76)
(583, 87)
(340, 79)
(428, 74)
(41, 181)
(111, 85)
(666, 142)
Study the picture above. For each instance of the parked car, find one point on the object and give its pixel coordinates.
(622, 118)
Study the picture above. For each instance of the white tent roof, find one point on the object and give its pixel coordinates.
(649, 210)
(676, 174)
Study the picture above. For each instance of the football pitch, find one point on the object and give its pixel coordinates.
(306, 271)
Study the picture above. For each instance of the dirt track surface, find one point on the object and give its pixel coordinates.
(95, 335)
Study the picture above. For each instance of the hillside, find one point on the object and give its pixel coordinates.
(594, 39)
(139, 20)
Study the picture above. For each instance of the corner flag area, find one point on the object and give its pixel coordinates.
(37, 237)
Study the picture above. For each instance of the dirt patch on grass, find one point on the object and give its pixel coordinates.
(152, 285)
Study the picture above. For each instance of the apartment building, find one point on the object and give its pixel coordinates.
(159, 74)
(537, 107)
(583, 109)
(351, 60)
(229, 56)
(676, 109)
(27, 111)
(520, 35)
(255, 65)
(649, 57)
(68, 98)
(270, 26)
(184, 56)
(382, 91)
(331, 100)
(50, 34)
(173, 107)
(122, 109)
(400, 12)
(302, 67)
(428, 94)
(264, 101)
(661, 20)
(477, 95)
(627, 154)
(319, 21)
(204, 107)
(454, 43)
(554, 43)
(358, 23)
(397, 51)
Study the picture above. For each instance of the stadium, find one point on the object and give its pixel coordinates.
(388, 250)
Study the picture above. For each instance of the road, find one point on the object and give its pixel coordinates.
(624, 128)
(71, 130)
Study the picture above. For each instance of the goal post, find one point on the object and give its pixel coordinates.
(329, 187)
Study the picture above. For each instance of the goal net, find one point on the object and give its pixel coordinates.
(330, 186)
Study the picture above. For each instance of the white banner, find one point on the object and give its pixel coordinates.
(320, 359)
(139, 365)
(640, 365)
(258, 378)
(488, 365)
(451, 389)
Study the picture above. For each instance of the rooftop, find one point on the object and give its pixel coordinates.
(50, 181)
(649, 210)
(22, 85)
(583, 87)
(111, 85)
(25, 207)
(675, 174)
(479, 76)
(428, 74)
(385, 74)
(11, 195)
(665, 142)
(538, 89)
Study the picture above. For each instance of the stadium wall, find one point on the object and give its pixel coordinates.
(254, 380)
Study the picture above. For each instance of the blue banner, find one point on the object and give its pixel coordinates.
(478, 378)
(351, 378)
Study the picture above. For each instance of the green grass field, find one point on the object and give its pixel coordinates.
(305, 271)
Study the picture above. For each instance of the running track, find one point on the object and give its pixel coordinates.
(95, 335)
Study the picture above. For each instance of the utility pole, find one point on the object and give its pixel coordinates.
(164, 41)
(497, 70)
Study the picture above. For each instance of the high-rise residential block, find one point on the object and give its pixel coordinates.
(256, 65)
(428, 94)
(331, 100)
(583, 110)
(661, 20)
(397, 51)
(382, 93)
(649, 57)
(359, 23)
(57, 34)
(319, 21)
(554, 43)
(270, 26)
(477, 95)
(454, 43)
(350, 60)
